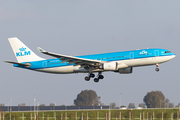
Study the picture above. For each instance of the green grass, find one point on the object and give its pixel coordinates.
(129, 114)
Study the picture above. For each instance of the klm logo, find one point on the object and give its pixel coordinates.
(22, 52)
(143, 52)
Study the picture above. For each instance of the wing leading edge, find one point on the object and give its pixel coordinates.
(71, 59)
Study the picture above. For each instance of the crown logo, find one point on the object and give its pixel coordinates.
(22, 49)
(143, 52)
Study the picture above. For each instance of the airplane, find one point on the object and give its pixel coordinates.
(120, 62)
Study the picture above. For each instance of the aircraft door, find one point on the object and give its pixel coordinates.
(44, 65)
(156, 53)
(131, 55)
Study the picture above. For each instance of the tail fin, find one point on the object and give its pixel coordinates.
(22, 52)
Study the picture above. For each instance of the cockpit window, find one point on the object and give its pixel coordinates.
(167, 51)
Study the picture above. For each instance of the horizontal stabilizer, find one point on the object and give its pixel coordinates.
(25, 65)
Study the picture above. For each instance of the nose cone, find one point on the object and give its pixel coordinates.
(170, 57)
(173, 56)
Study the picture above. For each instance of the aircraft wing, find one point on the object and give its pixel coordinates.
(71, 59)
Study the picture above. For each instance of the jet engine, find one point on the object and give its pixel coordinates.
(110, 66)
(125, 70)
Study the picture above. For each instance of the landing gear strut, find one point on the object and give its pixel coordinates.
(157, 69)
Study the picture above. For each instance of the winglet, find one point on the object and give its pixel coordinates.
(40, 50)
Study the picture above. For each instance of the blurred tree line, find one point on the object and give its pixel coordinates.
(153, 99)
(87, 98)
(156, 99)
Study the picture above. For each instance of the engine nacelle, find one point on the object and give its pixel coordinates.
(125, 70)
(110, 66)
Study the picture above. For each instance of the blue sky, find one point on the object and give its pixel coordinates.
(87, 27)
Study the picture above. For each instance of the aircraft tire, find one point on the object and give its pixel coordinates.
(157, 69)
(87, 78)
(101, 77)
(96, 80)
(92, 75)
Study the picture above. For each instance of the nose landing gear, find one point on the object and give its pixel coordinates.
(157, 69)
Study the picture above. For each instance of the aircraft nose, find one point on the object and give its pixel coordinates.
(174, 55)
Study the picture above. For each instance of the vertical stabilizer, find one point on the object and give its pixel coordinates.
(22, 52)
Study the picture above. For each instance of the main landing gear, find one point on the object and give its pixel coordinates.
(87, 78)
(157, 69)
(91, 75)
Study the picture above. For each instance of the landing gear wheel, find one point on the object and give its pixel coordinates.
(157, 69)
(101, 77)
(87, 78)
(96, 80)
(91, 75)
